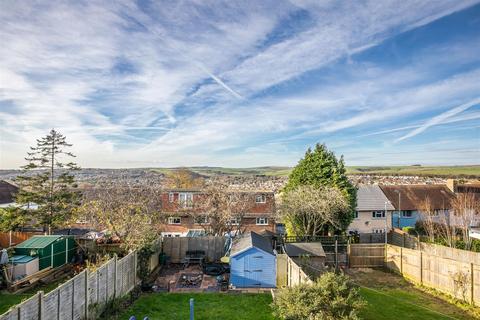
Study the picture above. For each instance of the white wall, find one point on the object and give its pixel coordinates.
(365, 223)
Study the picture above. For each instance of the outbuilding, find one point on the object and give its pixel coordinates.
(311, 253)
(252, 262)
(23, 266)
(52, 251)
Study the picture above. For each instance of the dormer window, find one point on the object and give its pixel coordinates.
(260, 198)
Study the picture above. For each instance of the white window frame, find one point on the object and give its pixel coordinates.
(186, 202)
(171, 220)
(378, 214)
(205, 220)
(355, 215)
(234, 221)
(263, 198)
(171, 196)
(261, 221)
(379, 231)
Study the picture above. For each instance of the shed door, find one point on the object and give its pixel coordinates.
(253, 270)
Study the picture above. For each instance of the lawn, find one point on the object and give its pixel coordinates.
(388, 296)
(211, 306)
(7, 300)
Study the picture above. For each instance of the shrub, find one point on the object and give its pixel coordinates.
(330, 297)
(409, 230)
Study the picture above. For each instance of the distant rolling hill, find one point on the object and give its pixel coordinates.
(472, 171)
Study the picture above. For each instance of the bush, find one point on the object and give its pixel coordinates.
(409, 230)
(330, 297)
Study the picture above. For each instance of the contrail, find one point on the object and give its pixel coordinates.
(196, 63)
(439, 119)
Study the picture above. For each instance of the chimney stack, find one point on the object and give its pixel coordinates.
(452, 185)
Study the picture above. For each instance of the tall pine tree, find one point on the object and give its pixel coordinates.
(321, 167)
(48, 182)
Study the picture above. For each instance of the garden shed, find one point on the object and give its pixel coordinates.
(311, 253)
(252, 262)
(52, 251)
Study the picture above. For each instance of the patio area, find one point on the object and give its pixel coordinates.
(176, 278)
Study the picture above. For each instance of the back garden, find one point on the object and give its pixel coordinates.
(388, 296)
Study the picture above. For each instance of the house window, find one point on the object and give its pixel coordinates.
(170, 196)
(437, 212)
(355, 215)
(378, 214)
(378, 230)
(260, 198)
(174, 220)
(234, 221)
(201, 220)
(262, 221)
(185, 199)
(407, 213)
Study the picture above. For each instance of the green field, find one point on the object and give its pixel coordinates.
(440, 171)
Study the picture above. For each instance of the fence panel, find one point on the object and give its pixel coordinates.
(367, 255)
(66, 300)
(411, 264)
(176, 247)
(50, 306)
(79, 293)
(30, 309)
(393, 258)
(72, 299)
(12, 238)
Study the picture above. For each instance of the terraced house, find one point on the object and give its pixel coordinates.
(187, 215)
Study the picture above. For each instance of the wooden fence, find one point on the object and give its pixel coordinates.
(457, 277)
(366, 255)
(82, 297)
(176, 247)
(295, 273)
(12, 238)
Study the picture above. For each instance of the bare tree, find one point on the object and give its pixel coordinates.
(219, 210)
(447, 231)
(130, 213)
(427, 215)
(308, 210)
(466, 208)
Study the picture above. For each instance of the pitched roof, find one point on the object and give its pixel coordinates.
(313, 249)
(411, 196)
(251, 240)
(37, 242)
(371, 197)
(7, 192)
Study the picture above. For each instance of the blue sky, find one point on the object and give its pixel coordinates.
(248, 83)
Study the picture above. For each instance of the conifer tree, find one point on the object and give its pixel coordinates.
(48, 182)
(321, 168)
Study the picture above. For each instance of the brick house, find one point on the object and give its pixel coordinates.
(184, 218)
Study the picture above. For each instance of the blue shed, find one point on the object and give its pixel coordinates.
(253, 262)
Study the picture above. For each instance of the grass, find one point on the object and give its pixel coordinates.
(8, 300)
(389, 296)
(439, 171)
(211, 306)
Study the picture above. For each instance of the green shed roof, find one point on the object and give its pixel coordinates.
(38, 242)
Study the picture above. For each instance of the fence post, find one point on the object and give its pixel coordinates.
(472, 285)
(87, 295)
(336, 253)
(40, 305)
(115, 276)
(421, 267)
(135, 268)
(403, 240)
(401, 260)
